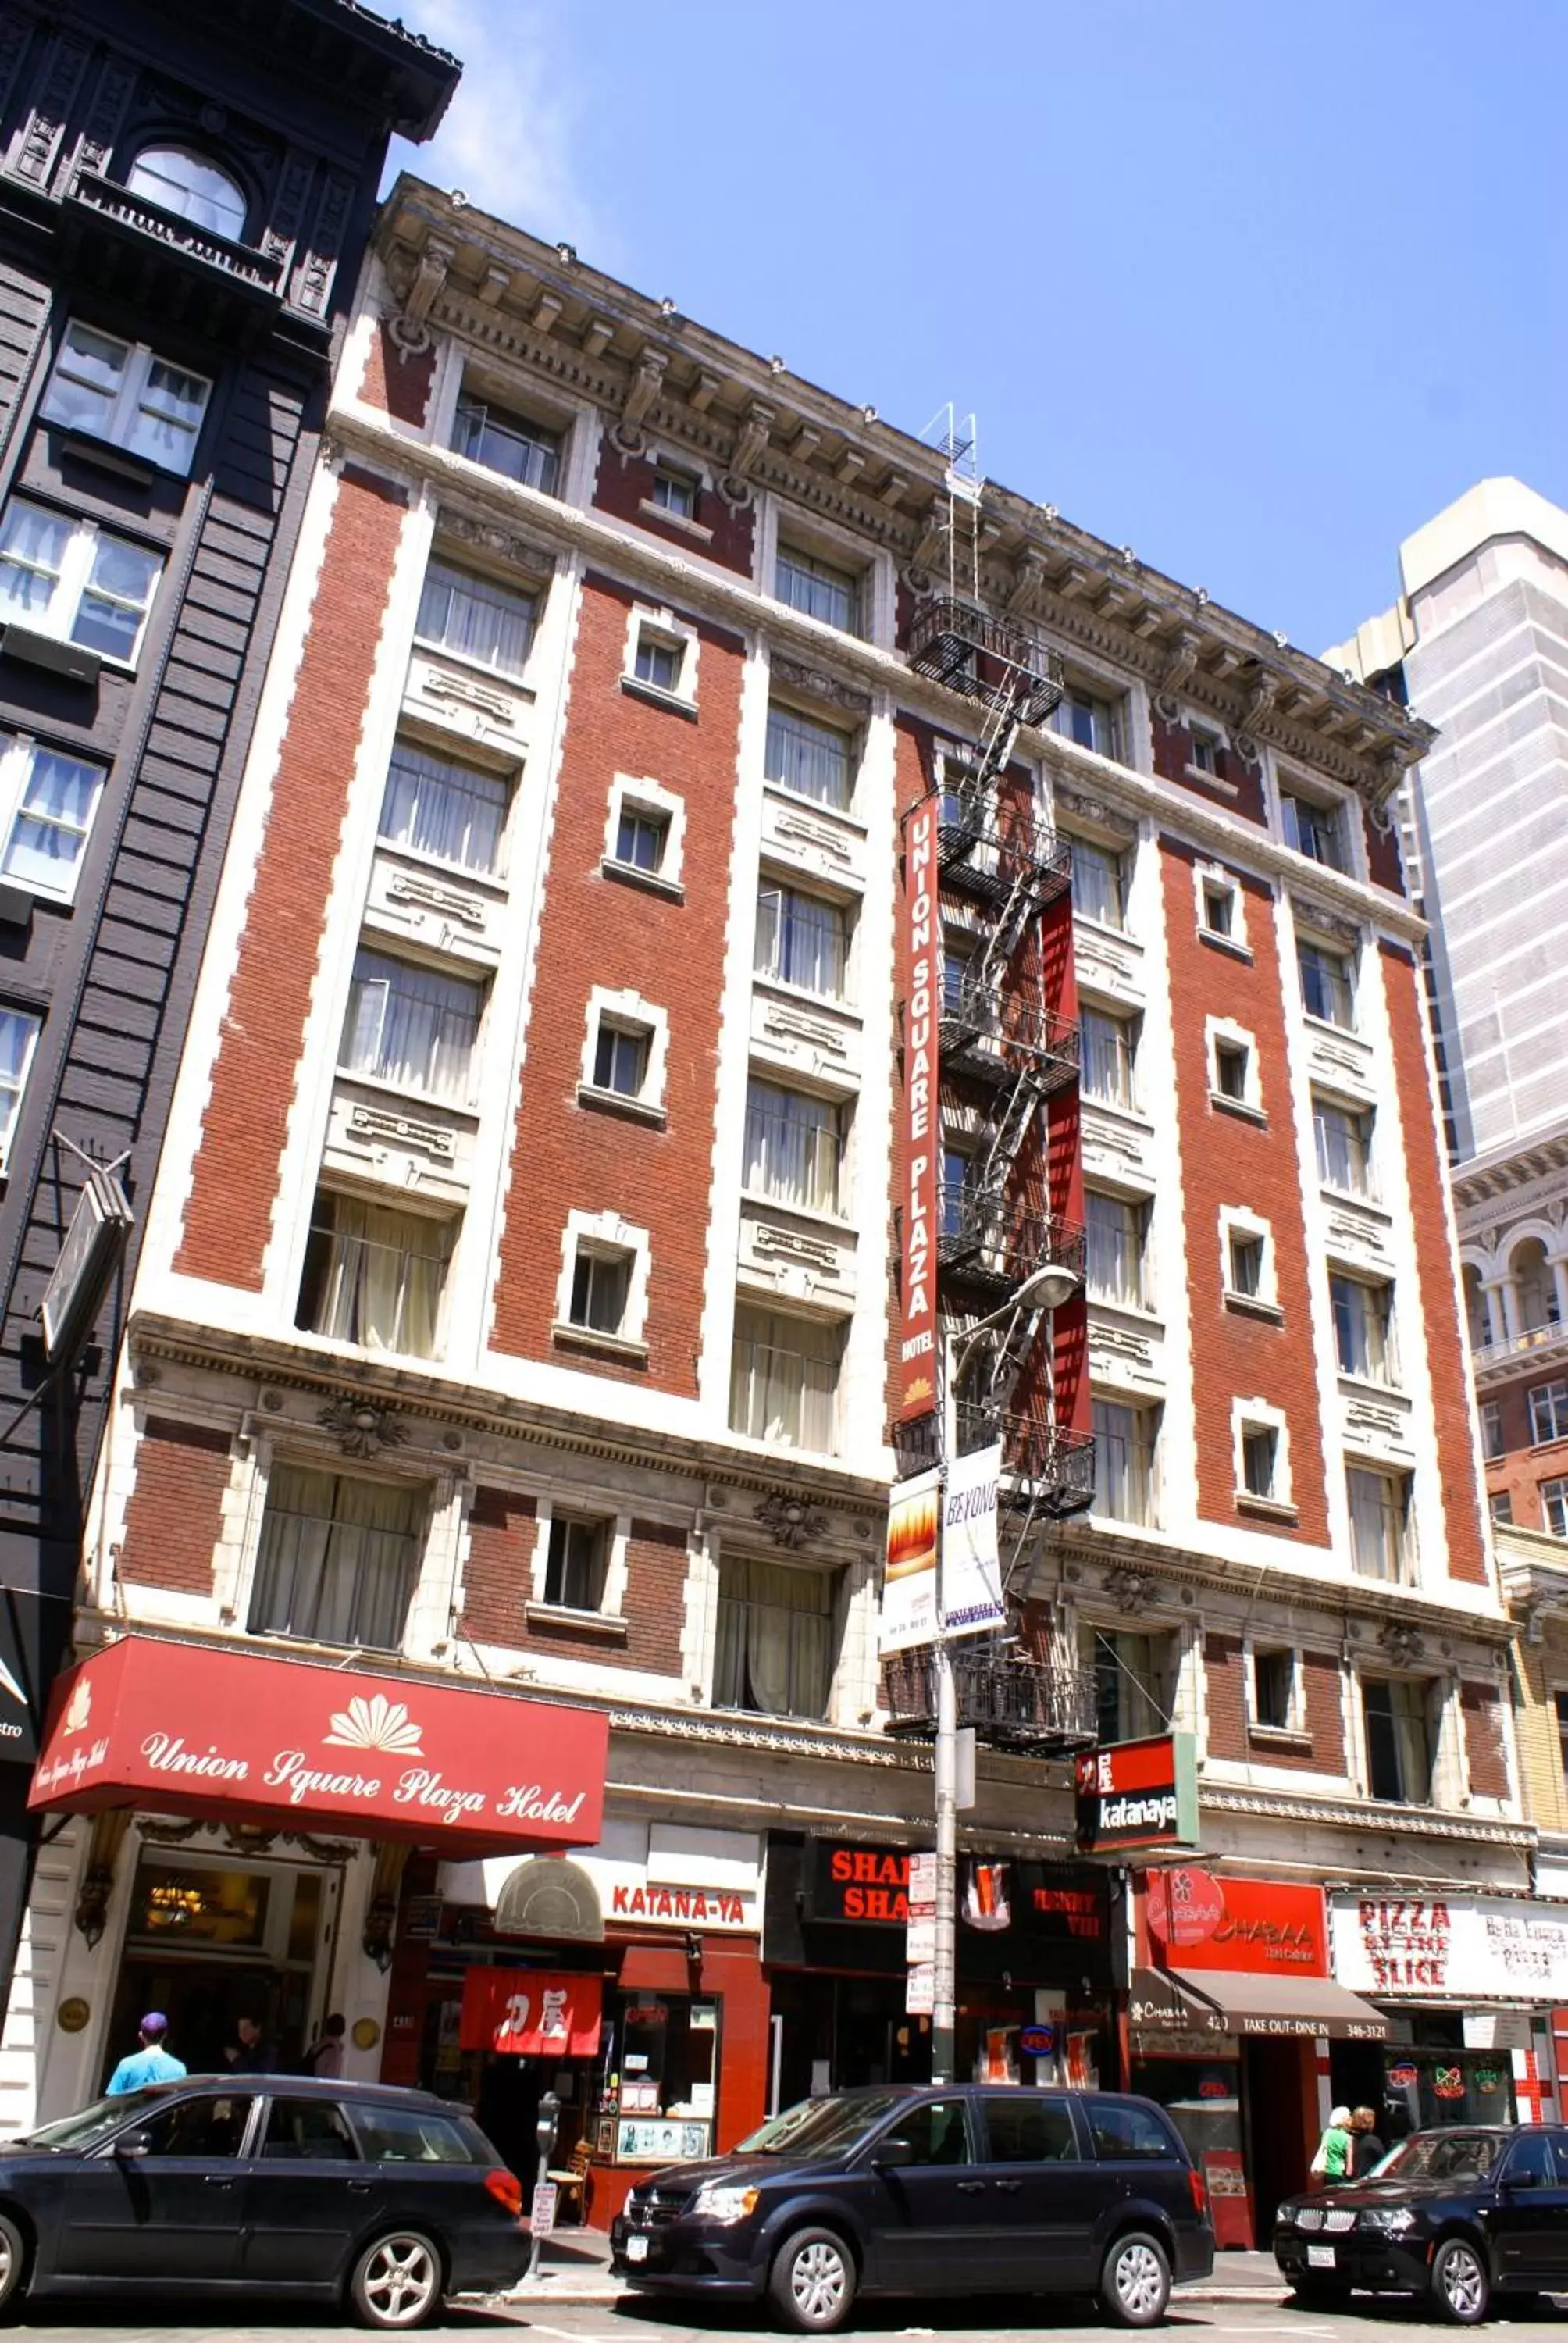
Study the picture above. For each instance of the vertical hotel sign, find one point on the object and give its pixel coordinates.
(917, 1356)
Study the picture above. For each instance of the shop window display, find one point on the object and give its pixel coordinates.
(659, 2078)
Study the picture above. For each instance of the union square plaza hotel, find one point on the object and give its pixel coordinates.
(482, 1592)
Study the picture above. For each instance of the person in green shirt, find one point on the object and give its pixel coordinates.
(1332, 2160)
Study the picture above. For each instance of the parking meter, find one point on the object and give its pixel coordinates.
(545, 2130)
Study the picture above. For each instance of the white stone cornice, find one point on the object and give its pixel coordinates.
(1394, 1821)
(598, 539)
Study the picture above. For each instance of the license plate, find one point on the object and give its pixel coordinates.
(1318, 2256)
(637, 2250)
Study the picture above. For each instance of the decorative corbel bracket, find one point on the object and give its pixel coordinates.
(646, 381)
(410, 329)
(750, 444)
(1179, 665)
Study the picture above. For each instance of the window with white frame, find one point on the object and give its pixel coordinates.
(1234, 1067)
(1328, 984)
(474, 619)
(1399, 1715)
(193, 186)
(453, 813)
(1342, 1135)
(675, 492)
(1248, 1271)
(600, 1288)
(1116, 1229)
(1108, 1046)
(812, 758)
(802, 940)
(374, 1275)
(1315, 826)
(804, 581)
(784, 1380)
(1379, 1504)
(1500, 1506)
(625, 1049)
(47, 801)
(125, 393)
(1363, 1327)
(1275, 1679)
(794, 1147)
(73, 580)
(776, 1635)
(1206, 750)
(621, 1058)
(1098, 882)
(18, 1040)
(1548, 1413)
(1492, 1442)
(640, 838)
(660, 658)
(577, 1564)
(514, 445)
(1092, 722)
(1554, 1507)
(410, 1026)
(1125, 1441)
(339, 1559)
(1219, 907)
(1261, 1472)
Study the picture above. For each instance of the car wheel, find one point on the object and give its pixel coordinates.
(397, 2281)
(12, 2264)
(813, 2281)
(1459, 2286)
(1135, 2283)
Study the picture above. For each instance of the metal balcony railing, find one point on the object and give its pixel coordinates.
(992, 1238)
(986, 658)
(241, 264)
(1047, 1466)
(996, 1032)
(1011, 1701)
(990, 852)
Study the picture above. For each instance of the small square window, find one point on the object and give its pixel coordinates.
(1549, 1411)
(1232, 1061)
(125, 393)
(1554, 1507)
(601, 1285)
(1208, 750)
(1246, 1263)
(817, 587)
(576, 1563)
(1219, 908)
(641, 838)
(1314, 828)
(1501, 1507)
(675, 492)
(620, 1058)
(1260, 1459)
(658, 661)
(76, 581)
(1274, 1690)
(1491, 1429)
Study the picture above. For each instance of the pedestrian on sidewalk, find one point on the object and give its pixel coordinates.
(1333, 2160)
(253, 2054)
(325, 2056)
(151, 2063)
(1367, 2150)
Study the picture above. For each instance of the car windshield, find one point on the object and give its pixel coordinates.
(91, 2124)
(823, 2127)
(1442, 2156)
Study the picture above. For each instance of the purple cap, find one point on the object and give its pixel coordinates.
(155, 2022)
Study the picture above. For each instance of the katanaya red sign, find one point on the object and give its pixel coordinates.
(918, 1352)
(191, 1729)
(531, 2013)
(1198, 1922)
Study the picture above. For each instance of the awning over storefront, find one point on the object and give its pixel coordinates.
(1158, 2004)
(1271, 2003)
(192, 1729)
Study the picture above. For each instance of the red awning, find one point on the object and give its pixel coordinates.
(194, 1729)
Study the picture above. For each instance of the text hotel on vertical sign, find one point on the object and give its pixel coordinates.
(917, 1389)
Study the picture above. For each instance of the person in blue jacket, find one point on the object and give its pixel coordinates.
(151, 2063)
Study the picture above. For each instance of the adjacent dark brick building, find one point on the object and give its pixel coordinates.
(185, 197)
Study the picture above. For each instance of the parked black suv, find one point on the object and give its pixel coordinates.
(963, 2190)
(1456, 2216)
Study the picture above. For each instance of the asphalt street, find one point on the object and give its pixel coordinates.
(901, 2322)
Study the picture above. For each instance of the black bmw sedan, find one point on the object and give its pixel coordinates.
(1452, 2216)
(383, 2201)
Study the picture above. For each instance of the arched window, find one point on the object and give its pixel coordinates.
(192, 187)
(1476, 1310)
(1533, 1285)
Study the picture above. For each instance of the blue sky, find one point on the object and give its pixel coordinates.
(1255, 286)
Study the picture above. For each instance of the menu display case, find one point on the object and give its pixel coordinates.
(659, 2078)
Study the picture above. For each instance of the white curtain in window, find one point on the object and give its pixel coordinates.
(337, 1560)
(52, 823)
(449, 810)
(471, 615)
(783, 1381)
(774, 1639)
(407, 1025)
(382, 1285)
(792, 1148)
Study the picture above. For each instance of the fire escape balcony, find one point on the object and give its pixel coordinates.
(994, 1033)
(1011, 1701)
(995, 853)
(986, 658)
(988, 1238)
(1046, 1468)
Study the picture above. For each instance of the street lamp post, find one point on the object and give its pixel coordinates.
(1046, 1288)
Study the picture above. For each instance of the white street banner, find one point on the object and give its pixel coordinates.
(972, 1566)
(910, 1586)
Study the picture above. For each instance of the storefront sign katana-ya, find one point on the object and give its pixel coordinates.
(186, 1729)
(1138, 1794)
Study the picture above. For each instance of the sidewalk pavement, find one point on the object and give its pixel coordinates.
(576, 2268)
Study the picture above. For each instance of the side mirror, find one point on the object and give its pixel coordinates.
(1522, 2180)
(133, 2143)
(892, 2154)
